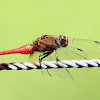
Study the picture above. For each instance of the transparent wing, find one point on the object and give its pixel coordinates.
(71, 54)
(62, 73)
(84, 44)
(57, 73)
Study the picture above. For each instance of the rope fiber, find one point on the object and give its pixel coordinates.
(51, 64)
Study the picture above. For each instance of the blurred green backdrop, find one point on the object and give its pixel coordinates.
(22, 21)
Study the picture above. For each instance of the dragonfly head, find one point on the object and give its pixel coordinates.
(63, 40)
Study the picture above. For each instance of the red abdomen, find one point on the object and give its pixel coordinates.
(26, 49)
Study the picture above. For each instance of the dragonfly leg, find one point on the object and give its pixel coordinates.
(40, 59)
(57, 56)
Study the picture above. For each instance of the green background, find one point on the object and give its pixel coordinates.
(22, 21)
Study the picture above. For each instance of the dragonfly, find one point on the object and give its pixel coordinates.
(65, 48)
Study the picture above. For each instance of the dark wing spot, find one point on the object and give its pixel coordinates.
(97, 42)
(79, 49)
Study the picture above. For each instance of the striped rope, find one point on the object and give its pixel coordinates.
(51, 64)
